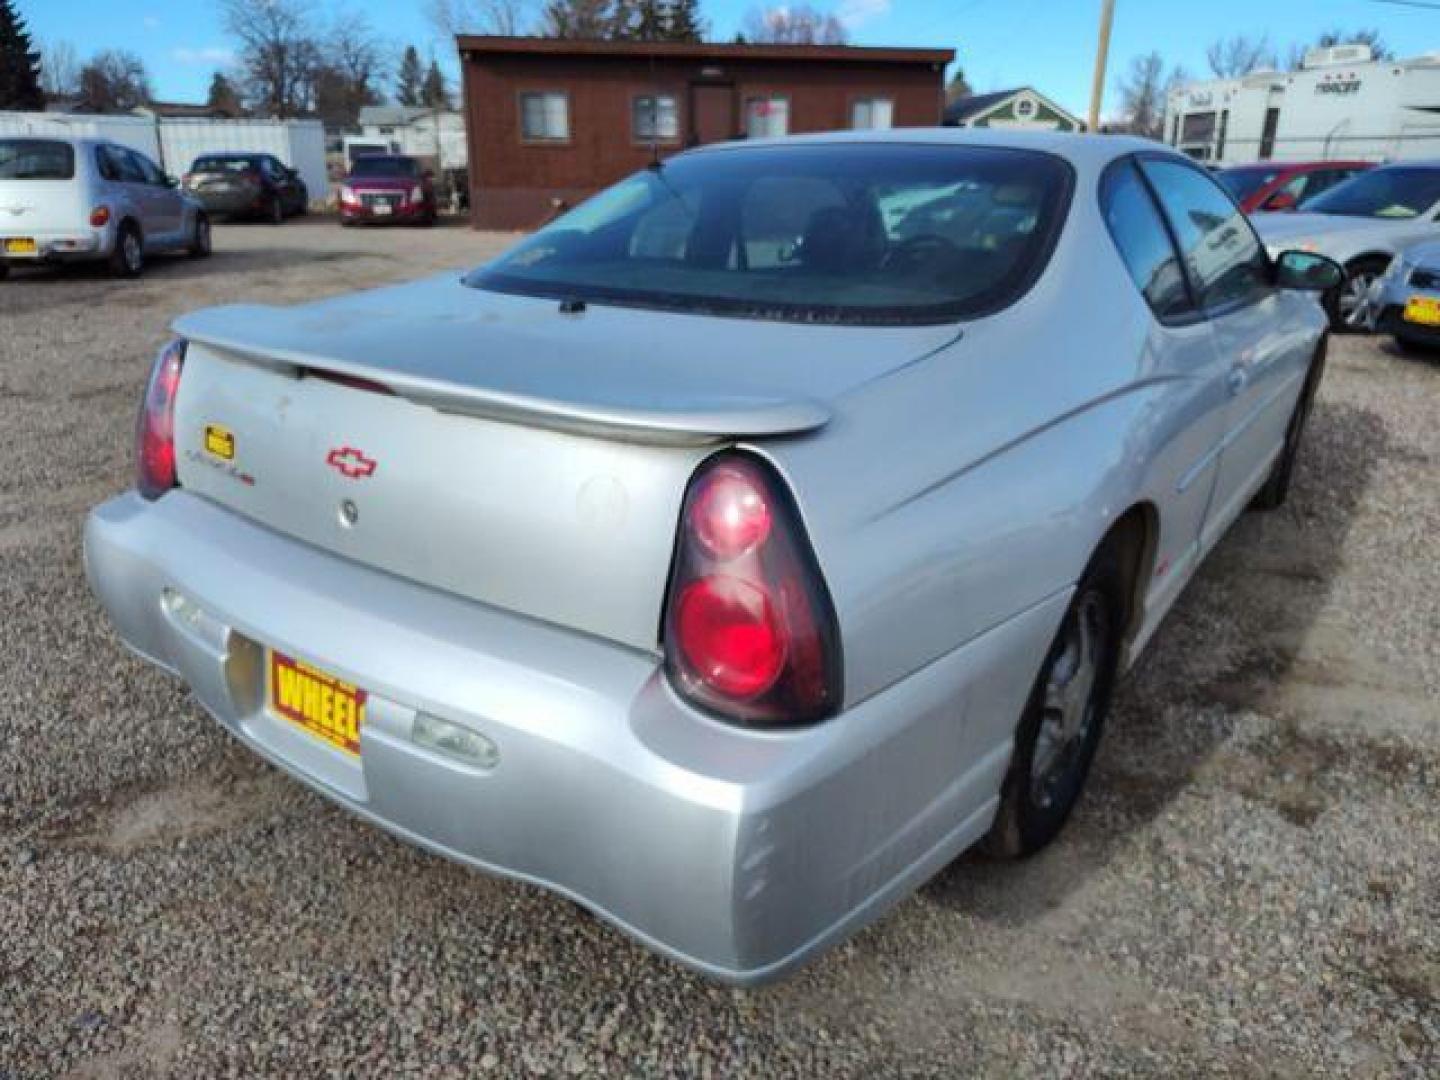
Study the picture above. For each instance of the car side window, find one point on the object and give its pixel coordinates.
(105, 163)
(1139, 233)
(149, 172)
(127, 169)
(1225, 258)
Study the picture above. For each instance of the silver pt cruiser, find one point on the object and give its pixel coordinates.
(738, 550)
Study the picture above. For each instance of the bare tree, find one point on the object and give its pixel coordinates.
(797, 25)
(279, 53)
(1230, 58)
(114, 81)
(59, 69)
(508, 18)
(1143, 91)
(583, 19)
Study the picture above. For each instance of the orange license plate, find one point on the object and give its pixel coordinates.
(21, 245)
(315, 701)
(1424, 310)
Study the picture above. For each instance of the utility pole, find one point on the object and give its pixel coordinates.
(1102, 54)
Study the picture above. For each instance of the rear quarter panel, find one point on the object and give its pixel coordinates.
(973, 485)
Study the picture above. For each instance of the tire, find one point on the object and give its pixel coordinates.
(1345, 306)
(200, 246)
(275, 211)
(128, 258)
(1276, 489)
(4, 269)
(1413, 346)
(1060, 728)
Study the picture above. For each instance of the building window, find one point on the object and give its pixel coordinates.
(545, 116)
(1025, 109)
(766, 117)
(872, 113)
(655, 118)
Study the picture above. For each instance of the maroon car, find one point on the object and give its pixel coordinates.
(1284, 185)
(385, 188)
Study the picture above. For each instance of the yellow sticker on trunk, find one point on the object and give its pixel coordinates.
(220, 441)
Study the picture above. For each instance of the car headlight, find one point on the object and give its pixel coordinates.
(347, 193)
(416, 194)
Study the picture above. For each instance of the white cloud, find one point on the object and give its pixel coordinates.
(855, 13)
(206, 54)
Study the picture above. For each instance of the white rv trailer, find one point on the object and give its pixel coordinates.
(1340, 105)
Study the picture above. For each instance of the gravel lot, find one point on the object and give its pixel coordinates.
(1251, 888)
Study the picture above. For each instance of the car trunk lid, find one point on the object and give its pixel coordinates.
(493, 446)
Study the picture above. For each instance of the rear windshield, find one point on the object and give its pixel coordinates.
(225, 164)
(36, 159)
(1242, 183)
(860, 233)
(383, 166)
(1396, 192)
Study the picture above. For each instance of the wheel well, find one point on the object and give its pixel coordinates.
(1136, 534)
(130, 223)
(1369, 256)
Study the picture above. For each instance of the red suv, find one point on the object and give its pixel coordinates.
(1284, 185)
(384, 188)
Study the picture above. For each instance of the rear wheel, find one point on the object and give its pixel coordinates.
(128, 258)
(200, 237)
(1276, 489)
(275, 211)
(1349, 305)
(1060, 729)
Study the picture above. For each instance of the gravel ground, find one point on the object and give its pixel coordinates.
(1251, 888)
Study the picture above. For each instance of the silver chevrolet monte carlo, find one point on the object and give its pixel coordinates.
(733, 553)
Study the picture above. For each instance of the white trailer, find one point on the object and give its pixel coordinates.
(1340, 105)
(175, 143)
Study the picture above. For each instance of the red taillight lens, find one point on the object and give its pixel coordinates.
(99, 217)
(155, 433)
(750, 631)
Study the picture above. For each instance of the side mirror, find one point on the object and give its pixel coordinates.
(1281, 200)
(1307, 271)
(171, 182)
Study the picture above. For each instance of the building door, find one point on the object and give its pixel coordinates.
(712, 112)
(1267, 136)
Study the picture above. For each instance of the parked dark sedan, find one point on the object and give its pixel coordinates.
(247, 185)
(385, 188)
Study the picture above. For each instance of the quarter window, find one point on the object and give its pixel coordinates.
(868, 114)
(1139, 233)
(1224, 257)
(767, 117)
(655, 118)
(545, 116)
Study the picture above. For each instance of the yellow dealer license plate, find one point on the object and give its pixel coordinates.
(20, 245)
(328, 708)
(1424, 310)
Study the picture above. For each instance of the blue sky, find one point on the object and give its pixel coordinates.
(1046, 43)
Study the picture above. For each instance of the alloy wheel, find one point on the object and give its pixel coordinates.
(1354, 299)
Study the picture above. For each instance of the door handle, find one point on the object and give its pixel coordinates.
(1236, 380)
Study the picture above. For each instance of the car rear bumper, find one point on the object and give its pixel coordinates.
(403, 214)
(54, 246)
(244, 201)
(739, 853)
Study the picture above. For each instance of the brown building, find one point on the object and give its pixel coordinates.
(550, 121)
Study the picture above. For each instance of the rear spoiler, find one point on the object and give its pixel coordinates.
(697, 420)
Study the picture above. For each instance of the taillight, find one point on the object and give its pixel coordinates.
(750, 631)
(155, 433)
(99, 217)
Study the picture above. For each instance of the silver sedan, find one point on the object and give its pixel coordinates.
(738, 550)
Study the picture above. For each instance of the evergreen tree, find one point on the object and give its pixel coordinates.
(434, 92)
(19, 64)
(410, 82)
(223, 96)
(685, 23)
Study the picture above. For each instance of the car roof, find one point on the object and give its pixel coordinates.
(1295, 166)
(1080, 149)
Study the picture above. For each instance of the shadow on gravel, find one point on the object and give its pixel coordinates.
(1232, 638)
